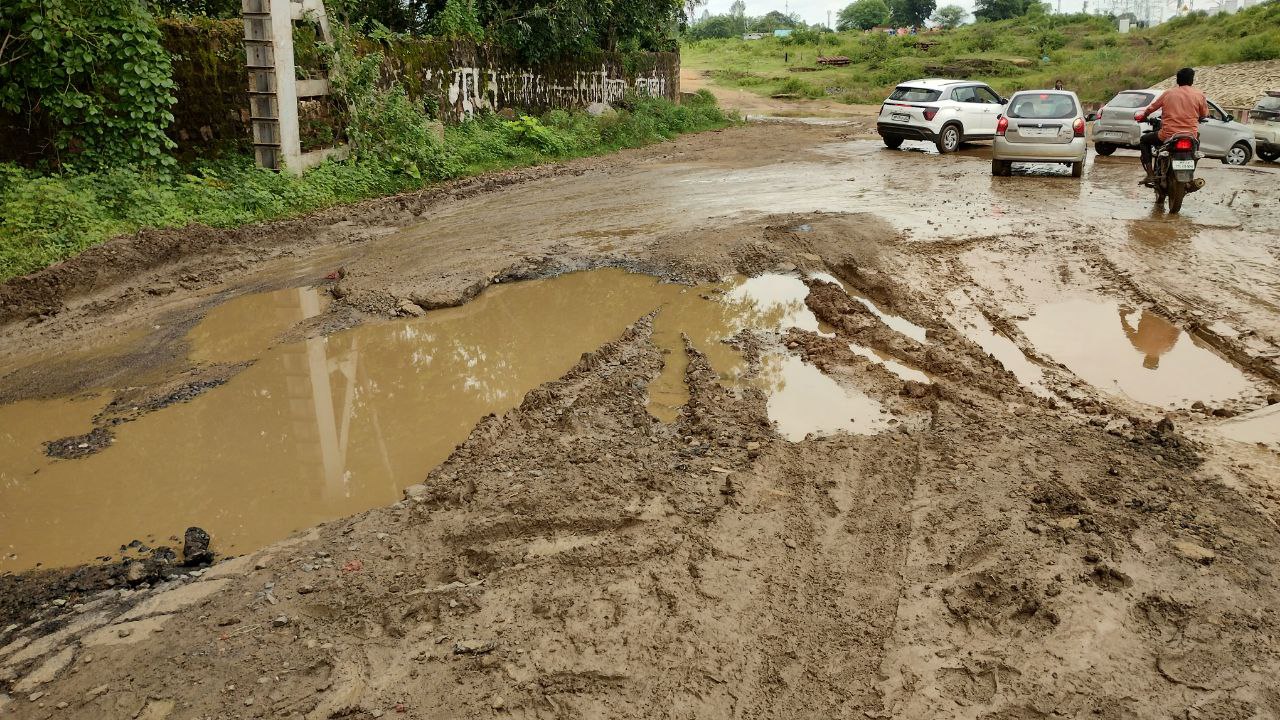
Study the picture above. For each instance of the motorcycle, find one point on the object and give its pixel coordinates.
(1174, 166)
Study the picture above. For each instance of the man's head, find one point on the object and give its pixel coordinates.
(1057, 84)
(1186, 76)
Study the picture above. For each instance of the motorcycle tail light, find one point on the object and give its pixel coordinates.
(1182, 144)
(1001, 125)
(1078, 126)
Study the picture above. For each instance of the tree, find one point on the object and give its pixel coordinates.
(992, 10)
(738, 11)
(949, 16)
(774, 20)
(911, 13)
(863, 15)
(714, 26)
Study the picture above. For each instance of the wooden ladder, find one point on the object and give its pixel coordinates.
(274, 90)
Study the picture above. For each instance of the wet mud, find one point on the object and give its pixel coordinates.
(764, 423)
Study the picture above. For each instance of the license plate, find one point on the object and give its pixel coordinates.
(1184, 164)
(1038, 132)
(1111, 133)
(901, 117)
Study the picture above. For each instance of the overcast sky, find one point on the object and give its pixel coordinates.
(815, 11)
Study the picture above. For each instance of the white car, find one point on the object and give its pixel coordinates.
(944, 112)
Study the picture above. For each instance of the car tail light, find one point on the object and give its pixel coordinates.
(1078, 126)
(1182, 143)
(929, 113)
(1001, 125)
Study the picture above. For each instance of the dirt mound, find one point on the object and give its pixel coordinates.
(1235, 84)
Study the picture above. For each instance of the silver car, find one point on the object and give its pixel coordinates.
(1221, 136)
(1041, 126)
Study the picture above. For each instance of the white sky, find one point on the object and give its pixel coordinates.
(815, 11)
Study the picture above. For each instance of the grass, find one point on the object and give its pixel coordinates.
(45, 219)
(1085, 52)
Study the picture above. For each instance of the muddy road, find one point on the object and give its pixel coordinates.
(766, 423)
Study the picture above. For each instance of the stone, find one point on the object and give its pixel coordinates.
(410, 308)
(416, 493)
(753, 446)
(473, 647)
(597, 109)
(789, 543)
(280, 621)
(195, 547)
(497, 703)
(100, 690)
(1195, 553)
(46, 671)
(176, 599)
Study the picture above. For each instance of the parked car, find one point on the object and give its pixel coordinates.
(1264, 118)
(944, 112)
(1221, 136)
(1040, 126)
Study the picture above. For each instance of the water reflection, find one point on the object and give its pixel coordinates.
(331, 426)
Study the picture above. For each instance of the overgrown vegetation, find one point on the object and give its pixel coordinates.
(45, 219)
(1084, 51)
(92, 74)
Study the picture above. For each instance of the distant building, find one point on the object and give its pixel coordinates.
(753, 36)
(782, 32)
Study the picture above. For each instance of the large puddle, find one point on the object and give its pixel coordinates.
(331, 426)
(1133, 353)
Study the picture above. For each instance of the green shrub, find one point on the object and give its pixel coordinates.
(1259, 47)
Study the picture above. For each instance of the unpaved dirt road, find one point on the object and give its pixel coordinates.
(1040, 477)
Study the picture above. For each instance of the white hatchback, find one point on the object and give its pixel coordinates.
(944, 112)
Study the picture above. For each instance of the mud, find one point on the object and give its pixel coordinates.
(641, 530)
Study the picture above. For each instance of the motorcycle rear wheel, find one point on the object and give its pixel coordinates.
(1177, 191)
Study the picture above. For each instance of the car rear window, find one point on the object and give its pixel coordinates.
(1268, 104)
(1131, 100)
(1042, 106)
(914, 94)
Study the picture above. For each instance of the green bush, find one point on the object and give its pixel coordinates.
(1259, 47)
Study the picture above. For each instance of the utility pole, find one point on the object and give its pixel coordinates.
(829, 25)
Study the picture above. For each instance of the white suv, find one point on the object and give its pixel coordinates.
(944, 112)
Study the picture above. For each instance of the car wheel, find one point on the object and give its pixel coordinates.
(1239, 154)
(1269, 155)
(949, 139)
(1104, 149)
(1077, 169)
(892, 142)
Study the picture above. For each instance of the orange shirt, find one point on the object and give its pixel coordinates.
(1183, 107)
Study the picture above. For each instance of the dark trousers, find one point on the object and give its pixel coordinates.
(1148, 143)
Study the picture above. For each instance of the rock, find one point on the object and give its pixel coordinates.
(789, 543)
(596, 109)
(497, 703)
(1223, 413)
(135, 573)
(416, 493)
(1273, 398)
(1195, 553)
(1165, 426)
(248, 702)
(375, 714)
(280, 621)
(59, 602)
(751, 446)
(100, 690)
(195, 547)
(410, 308)
(124, 631)
(913, 389)
(474, 647)
(35, 696)
(1198, 405)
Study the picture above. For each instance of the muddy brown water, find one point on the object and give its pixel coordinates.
(331, 426)
(1133, 353)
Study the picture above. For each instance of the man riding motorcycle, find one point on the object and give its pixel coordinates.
(1183, 107)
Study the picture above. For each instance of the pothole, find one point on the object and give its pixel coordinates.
(1133, 353)
(970, 321)
(331, 426)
